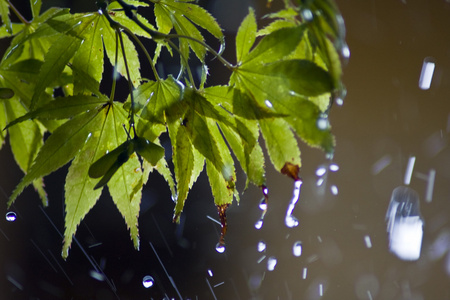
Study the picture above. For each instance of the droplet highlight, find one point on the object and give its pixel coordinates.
(11, 216)
(148, 281)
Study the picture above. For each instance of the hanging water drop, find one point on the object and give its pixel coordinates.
(261, 246)
(322, 122)
(11, 216)
(220, 248)
(148, 281)
(223, 221)
(297, 249)
(271, 263)
(263, 204)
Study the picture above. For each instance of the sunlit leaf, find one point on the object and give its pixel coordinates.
(25, 139)
(54, 63)
(109, 41)
(4, 14)
(62, 108)
(246, 36)
(282, 148)
(148, 150)
(274, 46)
(58, 149)
(80, 195)
(125, 186)
(35, 7)
(16, 28)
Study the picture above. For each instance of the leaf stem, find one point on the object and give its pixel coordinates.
(138, 41)
(130, 83)
(130, 13)
(185, 61)
(116, 58)
(17, 13)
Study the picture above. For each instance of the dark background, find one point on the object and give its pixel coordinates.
(385, 116)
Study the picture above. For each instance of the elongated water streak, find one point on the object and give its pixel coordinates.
(290, 220)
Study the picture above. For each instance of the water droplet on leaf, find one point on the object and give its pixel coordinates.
(148, 281)
(307, 15)
(322, 122)
(11, 216)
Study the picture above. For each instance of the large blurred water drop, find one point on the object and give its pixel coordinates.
(404, 224)
(259, 224)
(297, 249)
(11, 216)
(271, 263)
(261, 246)
(148, 281)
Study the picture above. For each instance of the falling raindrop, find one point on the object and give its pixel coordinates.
(148, 281)
(304, 273)
(290, 220)
(319, 182)
(297, 249)
(11, 216)
(261, 246)
(426, 74)
(345, 51)
(259, 224)
(321, 171)
(334, 190)
(271, 263)
(334, 167)
(210, 273)
(220, 248)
